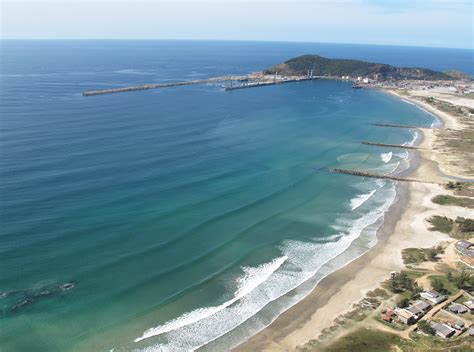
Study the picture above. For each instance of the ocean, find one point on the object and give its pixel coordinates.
(188, 217)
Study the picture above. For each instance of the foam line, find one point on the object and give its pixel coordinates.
(252, 278)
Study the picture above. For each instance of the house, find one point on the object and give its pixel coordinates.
(465, 247)
(417, 312)
(457, 308)
(422, 305)
(418, 309)
(459, 325)
(406, 317)
(433, 296)
(469, 305)
(443, 330)
(388, 315)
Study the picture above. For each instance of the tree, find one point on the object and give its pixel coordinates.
(425, 326)
(416, 289)
(438, 285)
(403, 302)
(465, 280)
(431, 254)
(449, 276)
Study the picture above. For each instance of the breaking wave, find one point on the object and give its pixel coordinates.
(386, 157)
(414, 139)
(259, 286)
(361, 199)
(252, 278)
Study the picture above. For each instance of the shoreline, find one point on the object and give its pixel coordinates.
(338, 291)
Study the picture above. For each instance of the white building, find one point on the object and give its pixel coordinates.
(443, 330)
(433, 296)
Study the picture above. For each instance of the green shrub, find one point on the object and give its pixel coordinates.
(465, 225)
(425, 326)
(441, 224)
(451, 200)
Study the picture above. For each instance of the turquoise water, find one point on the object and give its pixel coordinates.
(172, 218)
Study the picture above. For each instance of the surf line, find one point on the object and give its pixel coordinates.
(246, 286)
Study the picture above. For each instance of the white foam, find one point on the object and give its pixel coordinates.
(268, 282)
(403, 155)
(419, 107)
(437, 122)
(395, 167)
(252, 278)
(415, 137)
(386, 157)
(361, 199)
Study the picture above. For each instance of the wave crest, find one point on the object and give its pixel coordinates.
(361, 199)
(252, 278)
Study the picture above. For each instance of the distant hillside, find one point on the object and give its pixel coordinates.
(337, 67)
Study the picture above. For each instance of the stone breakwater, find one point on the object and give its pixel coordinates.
(395, 126)
(162, 85)
(246, 81)
(390, 145)
(375, 175)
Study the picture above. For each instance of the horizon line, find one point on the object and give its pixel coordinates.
(231, 40)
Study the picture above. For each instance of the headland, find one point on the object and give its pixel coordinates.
(310, 67)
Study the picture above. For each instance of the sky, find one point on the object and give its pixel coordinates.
(436, 23)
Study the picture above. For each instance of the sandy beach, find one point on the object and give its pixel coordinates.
(404, 226)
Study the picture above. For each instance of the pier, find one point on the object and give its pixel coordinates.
(267, 83)
(390, 145)
(250, 81)
(380, 176)
(162, 85)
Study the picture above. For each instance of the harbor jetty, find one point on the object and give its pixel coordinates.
(164, 85)
(375, 175)
(267, 83)
(390, 145)
(251, 80)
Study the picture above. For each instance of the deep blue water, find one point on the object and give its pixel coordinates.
(188, 210)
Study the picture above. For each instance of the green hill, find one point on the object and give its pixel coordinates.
(322, 66)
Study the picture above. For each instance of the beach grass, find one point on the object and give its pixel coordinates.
(419, 255)
(370, 340)
(461, 228)
(441, 224)
(451, 200)
(361, 340)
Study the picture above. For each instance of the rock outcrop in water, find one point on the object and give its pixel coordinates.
(26, 297)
